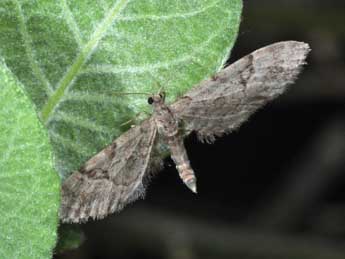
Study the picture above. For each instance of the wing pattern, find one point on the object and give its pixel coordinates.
(221, 104)
(112, 178)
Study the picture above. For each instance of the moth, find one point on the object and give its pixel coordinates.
(117, 174)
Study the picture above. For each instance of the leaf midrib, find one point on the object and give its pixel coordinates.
(72, 72)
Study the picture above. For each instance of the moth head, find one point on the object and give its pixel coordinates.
(156, 98)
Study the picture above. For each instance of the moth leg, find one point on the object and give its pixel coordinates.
(133, 119)
(215, 77)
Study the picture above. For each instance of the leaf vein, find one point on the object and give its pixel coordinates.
(27, 42)
(171, 16)
(87, 97)
(74, 146)
(72, 72)
(11, 147)
(103, 4)
(77, 121)
(111, 69)
(71, 23)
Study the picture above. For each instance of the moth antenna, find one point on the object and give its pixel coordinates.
(160, 87)
(130, 93)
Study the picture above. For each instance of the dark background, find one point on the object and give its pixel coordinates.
(273, 189)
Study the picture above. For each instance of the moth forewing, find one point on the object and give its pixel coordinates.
(216, 106)
(111, 179)
(222, 103)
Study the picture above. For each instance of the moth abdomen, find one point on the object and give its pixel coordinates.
(187, 175)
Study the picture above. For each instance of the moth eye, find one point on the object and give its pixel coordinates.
(150, 100)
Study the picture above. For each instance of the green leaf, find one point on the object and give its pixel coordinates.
(29, 187)
(71, 55)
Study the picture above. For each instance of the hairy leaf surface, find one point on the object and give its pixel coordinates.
(75, 58)
(29, 187)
